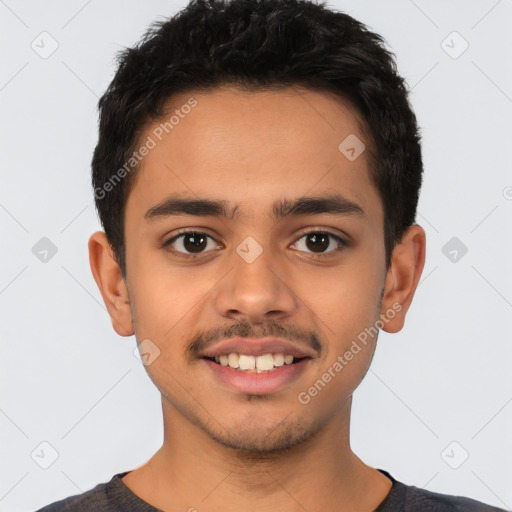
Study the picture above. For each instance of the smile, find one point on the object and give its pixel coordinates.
(264, 374)
(254, 364)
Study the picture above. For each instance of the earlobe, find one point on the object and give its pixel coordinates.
(109, 279)
(403, 275)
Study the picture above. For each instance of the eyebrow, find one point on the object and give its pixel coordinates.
(332, 204)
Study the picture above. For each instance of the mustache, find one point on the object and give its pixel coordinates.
(206, 338)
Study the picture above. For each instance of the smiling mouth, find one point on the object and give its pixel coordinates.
(255, 364)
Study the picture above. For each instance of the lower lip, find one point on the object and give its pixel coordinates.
(258, 383)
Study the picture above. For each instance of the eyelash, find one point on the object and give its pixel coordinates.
(341, 242)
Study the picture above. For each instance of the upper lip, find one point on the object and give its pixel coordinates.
(258, 347)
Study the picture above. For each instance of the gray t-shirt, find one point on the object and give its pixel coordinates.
(114, 496)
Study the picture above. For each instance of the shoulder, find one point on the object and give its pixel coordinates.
(421, 499)
(96, 499)
(408, 498)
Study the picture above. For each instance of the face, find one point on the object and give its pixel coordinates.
(295, 265)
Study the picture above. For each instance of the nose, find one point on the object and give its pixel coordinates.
(255, 291)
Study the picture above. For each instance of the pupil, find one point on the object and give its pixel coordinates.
(198, 245)
(320, 241)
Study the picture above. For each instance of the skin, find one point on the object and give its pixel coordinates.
(225, 450)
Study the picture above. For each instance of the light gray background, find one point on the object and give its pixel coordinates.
(70, 381)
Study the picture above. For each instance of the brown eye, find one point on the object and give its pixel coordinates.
(319, 241)
(190, 243)
(194, 242)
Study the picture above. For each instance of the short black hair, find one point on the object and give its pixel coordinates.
(257, 45)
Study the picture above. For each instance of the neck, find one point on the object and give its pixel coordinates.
(192, 471)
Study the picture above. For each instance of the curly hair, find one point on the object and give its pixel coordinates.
(257, 45)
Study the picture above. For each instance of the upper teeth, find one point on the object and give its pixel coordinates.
(264, 362)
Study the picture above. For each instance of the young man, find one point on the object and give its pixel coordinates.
(257, 174)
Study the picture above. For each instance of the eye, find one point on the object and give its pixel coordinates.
(318, 242)
(190, 243)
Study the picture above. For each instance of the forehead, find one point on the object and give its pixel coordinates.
(251, 147)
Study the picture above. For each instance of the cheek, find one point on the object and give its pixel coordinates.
(346, 315)
(165, 303)
(350, 336)
(166, 298)
(345, 300)
(346, 307)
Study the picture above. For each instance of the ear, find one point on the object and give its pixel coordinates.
(109, 279)
(403, 275)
